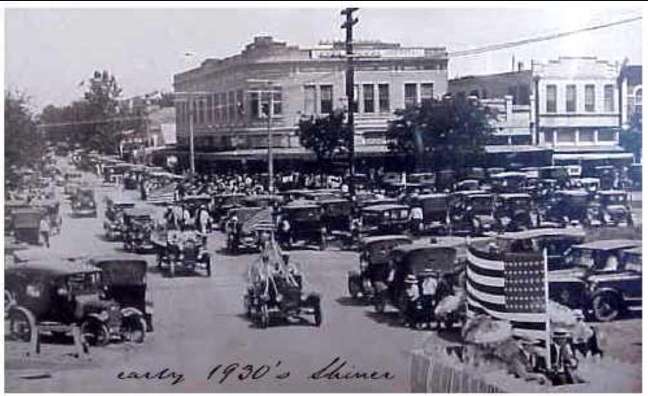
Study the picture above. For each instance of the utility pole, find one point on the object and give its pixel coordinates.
(192, 162)
(268, 114)
(348, 26)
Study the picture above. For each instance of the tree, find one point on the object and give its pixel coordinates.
(630, 139)
(103, 112)
(328, 137)
(24, 145)
(446, 133)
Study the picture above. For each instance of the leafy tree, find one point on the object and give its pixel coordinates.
(328, 137)
(103, 112)
(24, 145)
(630, 139)
(446, 133)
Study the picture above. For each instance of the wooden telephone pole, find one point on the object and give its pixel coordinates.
(348, 26)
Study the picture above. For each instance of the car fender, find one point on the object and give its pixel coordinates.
(95, 316)
(607, 290)
(131, 311)
(313, 299)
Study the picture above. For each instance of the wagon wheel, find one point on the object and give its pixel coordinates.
(317, 314)
(95, 333)
(264, 316)
(136, 328)
(19, 325)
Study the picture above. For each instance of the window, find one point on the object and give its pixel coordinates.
(231, 106)
(265, 104)
(216, 108)
(551, 98)
(474, 93)
(590, 103)
(326, 99)
(240, 108)
(606, 135)
(586, 135)
(484, 94)
(276, 101)
(209, 109)
(566, 136)
(383, 98)
(523, 95)
(254, 105)
(368, 98)
(201, 111)
(310, 98)
(427, 92)
(570, 98)
(223, 107)
(608, 98)
(411, 93)
(637, 101)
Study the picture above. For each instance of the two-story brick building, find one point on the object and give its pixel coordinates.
(228, 95)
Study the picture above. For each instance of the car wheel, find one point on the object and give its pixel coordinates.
(95, 333)
(208, 268)
(9, 301)
(354, 289)
(606, 307)
(19, 326)
(379, 304)
(264, 316)
(135, 329)
(317, 313)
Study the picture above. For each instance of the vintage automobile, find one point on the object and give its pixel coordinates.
(113, 225)
(72, 182)
(515, 212)
(508, 182)
(373, 263)
(599, 281)
(194, 202)
(435, 211)
(445, 179)
(26, 224)
(124, 281)
(181, 251)
(276, 290)
(435, 269)
(566, 207)
(557, 173)
(608, 175)
(138, 226)
(305, 225)
(384, 219)
(472, 212)
(58, 293)
(467, 185)
(336, 213)
(557, 242)
(425, 180)
(614, 208)
(262, 200)
(222, 203)
(634, 174)
(242, 232)
(83, 203)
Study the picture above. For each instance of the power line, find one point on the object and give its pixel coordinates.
(553, 36)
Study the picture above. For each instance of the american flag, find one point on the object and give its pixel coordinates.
(509, 286)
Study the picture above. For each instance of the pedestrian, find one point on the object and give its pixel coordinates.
(45, 230)
(416, 219)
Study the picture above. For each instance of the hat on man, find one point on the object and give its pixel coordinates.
(411, 279)
(560, 332)
(429, 272)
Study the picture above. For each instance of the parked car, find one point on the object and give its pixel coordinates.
(138, 226)
(614, 208)
(26, 224)
(124, 281)
(557, 173)
(417, 263)
(566, 207)
(472, 212)
(305, 225)
(373, 264)
(56, 294)
(508, 182)
(114, 226)
(515, 212)
(385, 219)
(240, 228)
(435, 211)
(599, 281)
(336, 213)
(83, 203)
(557, 241)
(181, 251)
(222, 203)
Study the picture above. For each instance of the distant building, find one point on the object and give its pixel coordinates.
(571, 104)
(228, 95)
(631, 93)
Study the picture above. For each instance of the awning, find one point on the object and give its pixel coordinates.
(592, 156)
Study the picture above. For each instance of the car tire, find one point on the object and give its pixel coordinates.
(20, 328)
(354, 289)
(135, 326)
(95, 333)
(317, 314)
(606, 307)
(379, 303)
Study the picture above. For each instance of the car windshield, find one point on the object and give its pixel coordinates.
(84, 283)
(633, 263)
(481, 204)
(583, 258)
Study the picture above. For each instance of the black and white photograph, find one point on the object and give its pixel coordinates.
(336, 197)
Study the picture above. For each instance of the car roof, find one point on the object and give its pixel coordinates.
(381, 207)
(509, 174)
(54, 267)
(635, 250)
(433, 195)
(540, 232)
(380, 238)
(116, 257)
(610, 244)
(514, 195)
(611, 192)
(199, 196)
(580, 193)
(452, 243)
(300, 203)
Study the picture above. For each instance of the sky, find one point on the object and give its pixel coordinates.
(50, 51)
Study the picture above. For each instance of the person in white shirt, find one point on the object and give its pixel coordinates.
(416, 219)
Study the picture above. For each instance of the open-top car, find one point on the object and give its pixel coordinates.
(114, 226)
(515, 212)
(83, 203)
(181, 251)
(569, 207)
(472, 213)
(599, 281)
(373, 263)
(557, 242)
(614, 208)
(124, 281)
(53, 295)
(429, 271)
(138, 226)
(385, 219)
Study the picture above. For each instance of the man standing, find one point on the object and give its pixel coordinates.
(45, 231)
